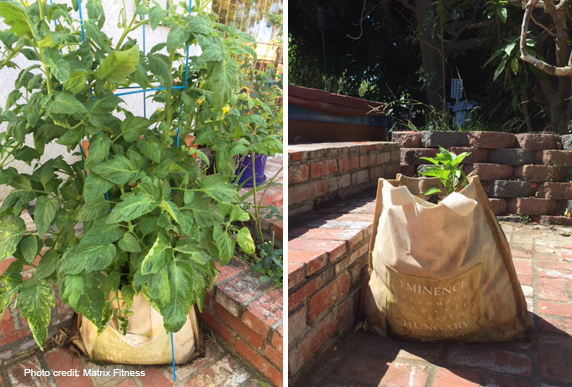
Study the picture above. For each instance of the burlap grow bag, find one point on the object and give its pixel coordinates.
(146, 341)
(441, 272)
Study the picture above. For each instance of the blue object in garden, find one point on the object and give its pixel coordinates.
(461, 109)
(244, 170)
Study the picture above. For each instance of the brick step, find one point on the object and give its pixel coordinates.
(326, 265)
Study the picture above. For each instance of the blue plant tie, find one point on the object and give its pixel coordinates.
(81, 20)
(173, 357)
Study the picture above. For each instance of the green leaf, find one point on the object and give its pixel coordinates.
(502, 14)
(133, 127)
(92, 306)
(93, 209)
(129, 243)
(47, 265)
(102, 232)
(224, 244)
(156, 15)
(36, 300)
(61, 70)
(29, 248)
(73, 289)
(159, 255)
(175, 39)
(159, 288)
(499, 70)
(118, 170)
(76, 82)
(180, 280)
(100, 108)
(217, 187)
(224, 81)
(98, 150)
(66, 103)
(432, 191)
(44, 213)
(245, 241)
(26, 154)
(118, 65)
(150, 150)
(17, 18)
(131, 207)
(10, 282)
(88, 257)
(95, 186)
(238, 214)
(71, 137)
(514, 65)
(172, 210)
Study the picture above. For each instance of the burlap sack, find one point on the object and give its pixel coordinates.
(146, 341)
(441, 272)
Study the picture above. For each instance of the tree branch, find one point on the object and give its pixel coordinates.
(542, 26)
(526, 57)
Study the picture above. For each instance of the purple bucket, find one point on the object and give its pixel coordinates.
(246, 166)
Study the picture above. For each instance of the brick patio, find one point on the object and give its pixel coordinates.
(543, 261)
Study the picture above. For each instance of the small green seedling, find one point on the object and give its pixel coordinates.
(447, 169)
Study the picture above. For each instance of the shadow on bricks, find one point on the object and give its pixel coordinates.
(367, 360)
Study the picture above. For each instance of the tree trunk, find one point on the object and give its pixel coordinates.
(429, 44)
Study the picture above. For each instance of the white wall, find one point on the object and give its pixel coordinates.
(134, 103)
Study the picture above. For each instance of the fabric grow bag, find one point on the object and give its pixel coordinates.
(441, 272)
(146, 341)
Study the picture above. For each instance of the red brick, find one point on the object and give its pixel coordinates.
(348, 163)
(477, 155)
(334, 248)
(351, 236)
(17, 377)
(391, 170)
(336, 183)
(327, 296)
(216, 325)
(274, 356)
(297, 325)
(312, 260)
(554, 273)
(523, 266)
(263, 313)
(530, 206)
(358, 270)
(360, 177)
(383, 158)
(304, 192)
(407, 139)
(297, 155)
(402, 374)
(259, 362)
(299, 354)
(308, 289)
(297, 173)
(498, 206)
(348, 260)
(558, 158)
(411, 155)
(483, 358)
(556, 191)
(296, 274)
(62, 360)
(538, 173)
(323, 168)
(562, 266)
(446, 377)
(395, 155)
(6, 323)
(555, 309)
(536, 141)
(277, 340)
(493, 171)
(552, 289)
(367, 160)
(155, 377)
(238, 326)
(231, 270)
(346, 310)
(519, 253)
(491, 140)
(376, 173)
(555, 358)
(525, 280)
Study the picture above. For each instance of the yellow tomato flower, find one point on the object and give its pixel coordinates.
(201, 100)
(226, 109)
(159, 109)
(26, 4)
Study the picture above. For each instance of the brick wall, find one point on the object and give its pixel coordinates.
(320, 173)
(526, 174)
